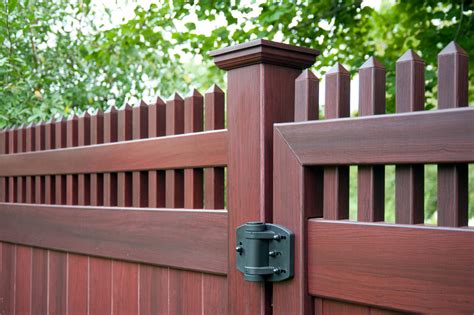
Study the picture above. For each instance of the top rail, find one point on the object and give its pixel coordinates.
(203, 149)
(446, 136)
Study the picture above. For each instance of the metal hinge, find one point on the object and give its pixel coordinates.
(265, 252)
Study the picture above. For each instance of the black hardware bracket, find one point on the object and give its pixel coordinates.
(265, 252)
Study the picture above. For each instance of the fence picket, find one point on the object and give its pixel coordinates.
(124, 179)
(336, 178)
(193, 177)
(20, 180)
(371, 179)
(100, 269)
(97, 179)
(140, 179)
(3, 180)
(30, 147)
(409, 179)
(39, 146)
(60, 189)
(453, 185)
(156, 178)
(12, 148)
(83, 138)
(174, 126)
(214, 119)
(110, 135)
(50, 143)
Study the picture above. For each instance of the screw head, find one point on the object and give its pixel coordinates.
(239, 249)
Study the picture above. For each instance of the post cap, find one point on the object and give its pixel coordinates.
(264, 51)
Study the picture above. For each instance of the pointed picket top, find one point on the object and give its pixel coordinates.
(214, 89)
(372, 62)
(30, 125)
(194, 93)
(21, 126)
(306, 75)
(142, 103)
(410, 55)
(453, 48)
(111, 109)
(99, 112)
(175, 97)
(126, 106)
(159, 101)
(338, 68)
(74, 116)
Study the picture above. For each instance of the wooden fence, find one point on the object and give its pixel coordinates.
(122, 212)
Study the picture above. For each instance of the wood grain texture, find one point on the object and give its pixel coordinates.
(453, 199)
(174, 195)
(336, 179)
(22, 280)
(298, 188)
(185, 292)
(125, 288)
(203, 149)
(158, 236)
(110, 135)
(39, 281)
(57, 285)
(100, 286)
(371, 179)
(261, 51)
(447, 137)
(409, 179)
(214, 188)
(7, 278)
(214, 291)
(156, 128)
(193, 177)
(386, 265)
(153, 290)
(140, 179)
(258, 96)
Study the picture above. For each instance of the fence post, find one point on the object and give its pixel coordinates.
(260, 87)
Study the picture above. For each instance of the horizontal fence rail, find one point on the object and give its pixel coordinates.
(204, 149)
(186, 239)
(447, 138)
(397, 266)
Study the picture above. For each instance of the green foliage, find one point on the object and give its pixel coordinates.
(59, 55)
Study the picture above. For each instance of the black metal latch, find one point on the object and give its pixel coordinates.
(265, 252)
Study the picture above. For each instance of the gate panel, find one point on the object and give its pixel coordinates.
(381, 267)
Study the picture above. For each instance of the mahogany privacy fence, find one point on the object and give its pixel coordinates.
(122, 212)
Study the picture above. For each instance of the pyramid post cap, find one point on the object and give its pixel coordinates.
(214, 89)
(453, 48)
(307, 75)
(175, 97)
(338, 68)
(372, 62)
(410, 55)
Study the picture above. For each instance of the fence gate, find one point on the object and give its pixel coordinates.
(127, 211)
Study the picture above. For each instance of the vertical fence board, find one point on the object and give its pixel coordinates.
(50, 138)
(409, 179)
(12, 148)
(110, 135)
(174, 178)
(336, 178)
(153, 290)
(39, 281)
(3, 180)
(97, 180)
(23, 280)
(156, 179)
(214, 290)
(371, 179)
(30, 181)
(193, 177)
(83, 138)
(72, 194)
(61, 181)
(20, 180)
(57, 282)
(39, 146)
(7, 278)
(453, 179)
(185, 292)
(125, 288)
(140, 179)
(214, 177)
(124, 179)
